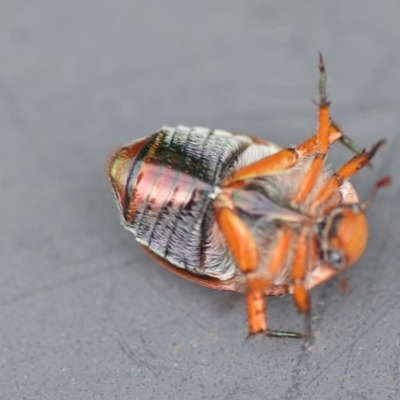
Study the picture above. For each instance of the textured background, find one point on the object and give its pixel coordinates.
(84, 313)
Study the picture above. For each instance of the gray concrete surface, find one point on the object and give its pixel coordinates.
(84, 313)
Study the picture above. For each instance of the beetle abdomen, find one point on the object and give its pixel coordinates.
(167, 188)
(170, 207)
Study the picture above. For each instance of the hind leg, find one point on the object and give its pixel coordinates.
(245, 251)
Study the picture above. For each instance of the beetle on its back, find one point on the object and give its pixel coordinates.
(236, 213)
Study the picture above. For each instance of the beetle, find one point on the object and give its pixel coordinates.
(236, 213)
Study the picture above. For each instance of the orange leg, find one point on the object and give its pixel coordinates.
(328, 133)
(322, 140)
(309, 147)
(300, 293)
(273, 164)
(245, 252)
(239, 239)
(348, 170)
(256, 309)
(256, 304)
(276, 262)
(282, 160)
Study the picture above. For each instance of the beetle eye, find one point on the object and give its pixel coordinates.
(321, 225)
(334, 258)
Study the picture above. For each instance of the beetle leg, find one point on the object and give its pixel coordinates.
(256, 304)
(273, 164)
(256, 310)
(239, 239)
(309, 147)
(317, 164)
(280, 161)
(276, 262)
(328, 133)
(345, 172)
(300, 292)
(244, 250)
(349, 143)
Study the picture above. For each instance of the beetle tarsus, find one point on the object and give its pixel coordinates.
(323, 99)
(284, 334)
(350, 144)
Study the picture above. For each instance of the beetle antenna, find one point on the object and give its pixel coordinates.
(382, 183)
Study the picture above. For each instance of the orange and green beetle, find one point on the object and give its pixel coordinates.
(236, 213)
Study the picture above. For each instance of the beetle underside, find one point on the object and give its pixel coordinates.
(283, 223)
(334, 237)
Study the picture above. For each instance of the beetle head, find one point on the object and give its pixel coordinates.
(344, 235)
(344, 232)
